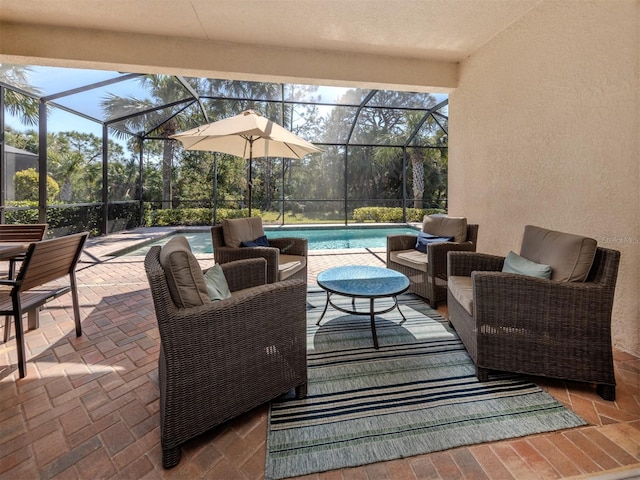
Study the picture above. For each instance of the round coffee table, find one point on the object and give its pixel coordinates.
(361, 281)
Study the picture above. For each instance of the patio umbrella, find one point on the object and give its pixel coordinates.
(246, 135)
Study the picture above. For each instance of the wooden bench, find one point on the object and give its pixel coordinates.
(21, 233)
(44, 262)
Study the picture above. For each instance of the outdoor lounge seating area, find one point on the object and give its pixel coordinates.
(90, 405)
(517, 119)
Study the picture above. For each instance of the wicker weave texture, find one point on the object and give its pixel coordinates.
(538, 326)
(290, 246)
(431, 284)
(222, 359)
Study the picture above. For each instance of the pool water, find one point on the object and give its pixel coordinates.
(319, 239)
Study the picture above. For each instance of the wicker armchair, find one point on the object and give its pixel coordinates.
(536, 326)
(286, 257)
(427, 272)
(224, 358)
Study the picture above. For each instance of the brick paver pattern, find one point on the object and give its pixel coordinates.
(88, 408)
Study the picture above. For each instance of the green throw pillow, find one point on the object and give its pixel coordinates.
(217, 285)
(514, 263)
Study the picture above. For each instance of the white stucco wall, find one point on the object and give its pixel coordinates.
(544, 129)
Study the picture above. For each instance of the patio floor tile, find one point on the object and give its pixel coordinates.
(89, 406)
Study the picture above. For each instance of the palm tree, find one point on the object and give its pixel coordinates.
(426, 163)
(162, 90)
(139, 116)
(22, 106)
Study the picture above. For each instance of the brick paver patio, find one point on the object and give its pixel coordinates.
(88, 407)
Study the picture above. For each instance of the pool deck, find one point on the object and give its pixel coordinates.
(88, 407)
(102, 249)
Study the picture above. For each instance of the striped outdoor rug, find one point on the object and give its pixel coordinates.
(416, 394)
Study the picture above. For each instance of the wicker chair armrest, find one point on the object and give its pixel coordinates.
(210, 336)
(461, 263)
(241, 274)
(401, 242)
(507, 300)
(291, 245)
(229, 254)
(437, 254)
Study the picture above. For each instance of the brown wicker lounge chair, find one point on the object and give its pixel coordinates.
(223, 358)
(427, 272)
(286, 257)
(557, 327)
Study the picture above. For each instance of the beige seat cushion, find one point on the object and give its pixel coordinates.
(443, 226)
(184, 275)
(238, 230)
(462, 290)
(289, 265)
(410, 258)
(570, 256)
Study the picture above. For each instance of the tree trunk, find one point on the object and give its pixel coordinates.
(167, 163)
(418, 180)
(66, 190)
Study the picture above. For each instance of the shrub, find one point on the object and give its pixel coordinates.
(26, 186)
(190, 216)
(391, 214)
(61, 220)
(22, 216)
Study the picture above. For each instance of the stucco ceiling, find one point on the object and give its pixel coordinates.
(442, 30)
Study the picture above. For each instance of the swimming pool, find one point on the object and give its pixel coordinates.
(319, 238)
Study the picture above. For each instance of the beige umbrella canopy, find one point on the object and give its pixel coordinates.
(246, 135)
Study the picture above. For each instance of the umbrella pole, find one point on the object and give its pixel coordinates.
(250, 186)
(215, 188)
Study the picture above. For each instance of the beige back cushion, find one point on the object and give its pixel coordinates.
(442, 226)
(238, 230)
(570, 256)
(184, 275)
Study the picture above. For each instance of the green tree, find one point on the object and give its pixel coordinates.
(434, 161)
(428, 165)
(196, 177)
(145, 115)
(123, 176)
(27, 140)
(26, 186)
(75, 161)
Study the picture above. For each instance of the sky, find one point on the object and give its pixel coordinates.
(53, 80)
